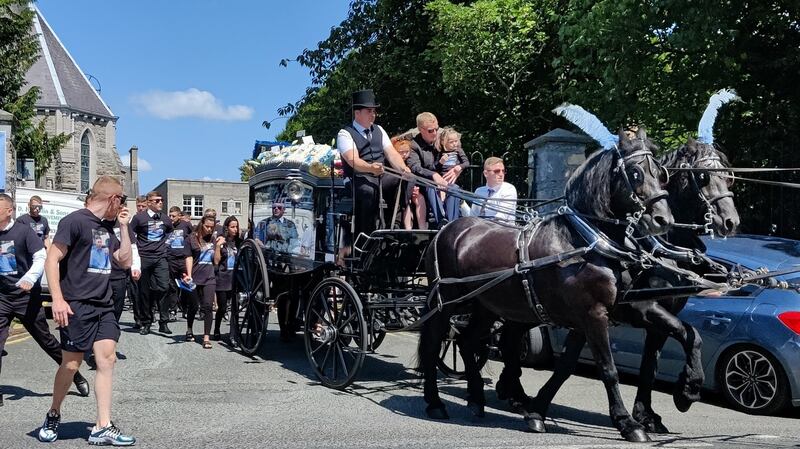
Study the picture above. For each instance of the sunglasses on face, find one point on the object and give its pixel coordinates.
(122, 198)
(156, 200)
(36, 207)
(432, 130)
(278, 207)
(497, 171)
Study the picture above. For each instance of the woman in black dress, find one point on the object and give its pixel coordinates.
(225, 274)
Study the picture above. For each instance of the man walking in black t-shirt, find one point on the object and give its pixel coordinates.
(151, 230)
(175, 254)
(17, 280)
(78, 266)
(36, 221)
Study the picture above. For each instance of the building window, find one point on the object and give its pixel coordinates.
(85, 173)
(231, 208)
(193, 205)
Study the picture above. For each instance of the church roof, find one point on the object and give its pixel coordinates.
(62, 82)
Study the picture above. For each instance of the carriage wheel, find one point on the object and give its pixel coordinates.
(251, 288)
(335, 333)
(450, 362)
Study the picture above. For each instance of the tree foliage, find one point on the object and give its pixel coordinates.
(495, 69)
(18, 52)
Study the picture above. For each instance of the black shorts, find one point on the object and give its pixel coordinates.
(88, 323)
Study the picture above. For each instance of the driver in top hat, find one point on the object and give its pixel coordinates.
(364, 148)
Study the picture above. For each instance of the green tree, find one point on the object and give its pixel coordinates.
(19, 51)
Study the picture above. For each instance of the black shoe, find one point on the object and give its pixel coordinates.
(137, 326)
(144, 330)
(164, 329)
(81, 384)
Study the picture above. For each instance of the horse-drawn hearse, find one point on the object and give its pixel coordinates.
(345, 304)
(623, 248)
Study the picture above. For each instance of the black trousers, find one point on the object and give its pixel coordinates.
(367, 204)
(201, 298)
(153, 287)
(223, 298)
(133, 297)
(29, 310)
(119, 288)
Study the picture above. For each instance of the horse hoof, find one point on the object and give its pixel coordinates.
(437, 413)
(682, 403)
(536, 425)
(655, 427)
(637, 436)
(476, 409)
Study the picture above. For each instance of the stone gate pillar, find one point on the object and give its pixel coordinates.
(9, 168)
(552, 158)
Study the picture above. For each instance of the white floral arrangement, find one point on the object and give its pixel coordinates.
(316, 158)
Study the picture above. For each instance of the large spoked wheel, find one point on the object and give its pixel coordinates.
(251, 288)
(450, 362)
(752, 381)
(335, 333)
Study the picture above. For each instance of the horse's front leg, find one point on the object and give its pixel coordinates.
(642, 406)
(536, 409)
(690, 381)
(430, 343)
(598, 340)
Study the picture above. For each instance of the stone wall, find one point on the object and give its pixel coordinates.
(64, 173)
(213, 193)
(553, 157)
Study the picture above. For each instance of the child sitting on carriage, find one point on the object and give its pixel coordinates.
(451, 160)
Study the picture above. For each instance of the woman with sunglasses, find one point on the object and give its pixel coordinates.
(203, 253)
(501, 197)
(224, 275)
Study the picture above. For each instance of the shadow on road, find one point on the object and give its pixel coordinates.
(69, 430)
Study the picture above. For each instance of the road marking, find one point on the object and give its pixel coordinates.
(15, 339)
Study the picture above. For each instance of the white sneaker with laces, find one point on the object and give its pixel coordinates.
(110, 435)
(49, 431)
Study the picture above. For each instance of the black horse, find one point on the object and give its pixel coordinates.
(697, 198)
(577, 293)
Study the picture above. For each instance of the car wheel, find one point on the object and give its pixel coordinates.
(536, 350)
(752, 381)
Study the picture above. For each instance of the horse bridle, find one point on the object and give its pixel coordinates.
(708, 217)
(642, 203)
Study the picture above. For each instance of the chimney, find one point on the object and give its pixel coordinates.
(134, 172)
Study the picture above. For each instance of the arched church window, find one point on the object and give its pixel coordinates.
(85, 173)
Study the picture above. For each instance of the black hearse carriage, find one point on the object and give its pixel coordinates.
(345, 308)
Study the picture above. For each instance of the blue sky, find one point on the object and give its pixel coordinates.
(192, 80)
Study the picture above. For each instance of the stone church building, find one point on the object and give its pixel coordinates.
(70, 104)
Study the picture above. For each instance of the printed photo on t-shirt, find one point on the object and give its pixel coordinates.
(38, 228)
(175, 239)
(231, 261)
(8, 258)
(206, 254)
(155, 230)
(100, 256)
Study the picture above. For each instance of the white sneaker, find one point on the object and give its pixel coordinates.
(110, 435)
(49, 431)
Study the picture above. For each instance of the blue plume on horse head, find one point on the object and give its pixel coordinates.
(588, 123)
(705, 130)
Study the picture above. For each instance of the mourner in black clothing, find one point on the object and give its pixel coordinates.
(78, 267)
(36, 220)
(203, 252)
(423, 159)
(23, 257)
(176, 256)
(225, 276)
(151, 229)
(364, 147)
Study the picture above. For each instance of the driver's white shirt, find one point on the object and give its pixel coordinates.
(500, 210)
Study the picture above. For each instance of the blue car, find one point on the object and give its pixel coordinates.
(751, 340)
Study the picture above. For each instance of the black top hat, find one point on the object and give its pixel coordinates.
(364, 99)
